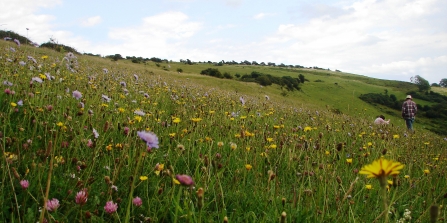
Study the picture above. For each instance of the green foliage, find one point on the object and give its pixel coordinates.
(212, 72)
(180, 70)
(59, 47)
(422, 83)
(382, 99)
(13, 35)
(443, 82)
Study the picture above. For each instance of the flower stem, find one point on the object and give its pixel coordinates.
(132, 187)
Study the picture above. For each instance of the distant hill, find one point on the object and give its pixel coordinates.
(341, 92)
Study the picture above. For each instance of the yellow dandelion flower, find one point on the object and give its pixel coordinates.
(196, 119)
(176, 120)
(349, 161)
(272, 146)
(138, 118)
(381, 168)
(276, 126)
(220, 144)
(119, 145)
(426, 171)
(172, 135)
(327, 152)
(248, 166)
(368, 187)
(121, 110)
(237, 135)
(370, 144)
(13, 104)
(407, 176)
(248, 148)
(44, 57)
(143, 178)
(307, 128)
(269, 139)
(395, 136)
(175, 181)
(60, 124)
(109, 147)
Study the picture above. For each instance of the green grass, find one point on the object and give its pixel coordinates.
(299, 149)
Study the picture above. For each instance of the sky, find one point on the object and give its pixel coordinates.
(385, 39)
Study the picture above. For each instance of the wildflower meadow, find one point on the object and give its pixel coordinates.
(89, 140)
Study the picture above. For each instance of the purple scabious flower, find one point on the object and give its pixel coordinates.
(150, 138)
(77, 94)
(37, 79)
(7, 83)
(52, 204)
(17, 42)
(111, 207)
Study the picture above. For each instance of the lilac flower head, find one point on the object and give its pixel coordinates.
(185, 180)
(24, 184)
(135, 76)
(12, 49)
(105, 70)
(137, 201)
(106, 98)
(242, 100)
(36, 79)
(139, 112)
(22, 63)
(7, 38)
(52, 204)
(95, 133)
(123, 84)
(70, 55)
(32, 59)
(111, 207)
(17, 42)
(77, 94)
(150, 138)
(7, 83)
(20, 103)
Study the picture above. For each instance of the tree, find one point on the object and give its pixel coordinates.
(443, 82)
(422, 84)
(302, 78)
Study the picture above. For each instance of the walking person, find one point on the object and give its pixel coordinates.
(409, 110)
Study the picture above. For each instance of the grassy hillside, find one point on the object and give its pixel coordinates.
(86, 139)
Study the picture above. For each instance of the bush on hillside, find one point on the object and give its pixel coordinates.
(59, 47)
(12, 35)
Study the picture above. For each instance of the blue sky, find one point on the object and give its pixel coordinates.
(386, 39)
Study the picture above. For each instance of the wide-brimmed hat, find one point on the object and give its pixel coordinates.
(408, 96)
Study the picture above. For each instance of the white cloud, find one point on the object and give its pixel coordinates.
(21, 14)
(262, 15)
(391, 37)
(233, 3)
(159, 35)
(92, 21)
